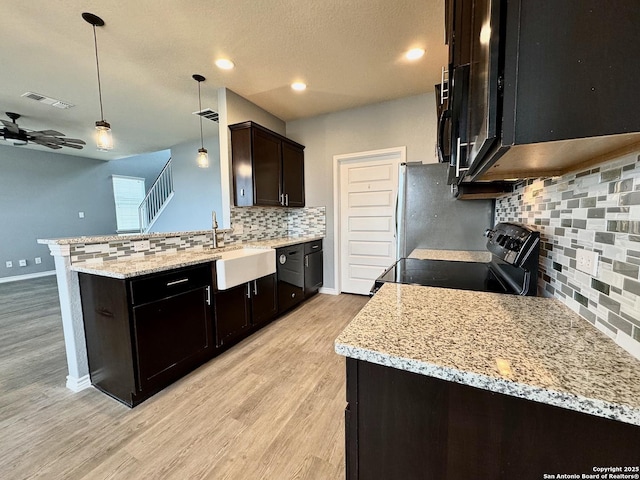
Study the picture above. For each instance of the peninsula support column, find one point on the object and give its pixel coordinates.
(72, 320)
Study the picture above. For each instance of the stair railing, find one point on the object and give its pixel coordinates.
(156, 199)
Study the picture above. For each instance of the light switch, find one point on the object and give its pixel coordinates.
(38, 260)
(80, 214)
(22, 263)
(9, 264)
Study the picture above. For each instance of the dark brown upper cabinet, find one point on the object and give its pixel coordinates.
(268, 169)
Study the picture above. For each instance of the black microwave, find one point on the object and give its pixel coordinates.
(546, 86)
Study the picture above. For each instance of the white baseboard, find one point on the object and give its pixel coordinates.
(27, 276)
(329, 291)
(77, 384)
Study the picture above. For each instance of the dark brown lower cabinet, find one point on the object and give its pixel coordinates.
(239, 309)
(168, 333)
(145, 333)
(264, 299)
(232, 314)
(402, 425)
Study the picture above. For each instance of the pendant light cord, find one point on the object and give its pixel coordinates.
(200, 115)
(95, 43)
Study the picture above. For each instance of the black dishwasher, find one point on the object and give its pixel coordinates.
(290, 276)
(312, 267)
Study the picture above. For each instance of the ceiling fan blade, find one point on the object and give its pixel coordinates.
(74, 140)
(43, 140)
(51, 145)
(73, 145)
(46, 133)
(12, 127)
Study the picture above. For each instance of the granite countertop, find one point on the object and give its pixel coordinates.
(123, 236)
(453, 255)
(136, 266)
(530, 347)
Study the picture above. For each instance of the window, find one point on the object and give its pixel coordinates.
(128, 193)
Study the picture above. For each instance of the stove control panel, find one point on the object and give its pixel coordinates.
(513, 242)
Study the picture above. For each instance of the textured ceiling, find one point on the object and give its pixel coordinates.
(349, 52)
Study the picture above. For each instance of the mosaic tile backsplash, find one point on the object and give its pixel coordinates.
(262, 223)
(597, 210)
(124, 249)
(251, 223)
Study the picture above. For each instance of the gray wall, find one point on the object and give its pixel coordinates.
(41, 194)
(409, 121)
(239, 109)
(196, 190)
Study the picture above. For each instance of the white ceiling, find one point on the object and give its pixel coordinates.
(349, 52)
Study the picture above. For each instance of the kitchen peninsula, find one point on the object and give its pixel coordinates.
(449, 384)
(126, 256)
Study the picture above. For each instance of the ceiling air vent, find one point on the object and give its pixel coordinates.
(208, 113)
(54, 102)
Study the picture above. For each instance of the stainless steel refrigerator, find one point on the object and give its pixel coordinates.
(430, 217)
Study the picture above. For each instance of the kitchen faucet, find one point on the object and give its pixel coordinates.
(214, 227)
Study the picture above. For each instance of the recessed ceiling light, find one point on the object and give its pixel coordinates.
(299, 86)
(414, 54)
(225, 64)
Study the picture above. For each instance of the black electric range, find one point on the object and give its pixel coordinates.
(513, 268)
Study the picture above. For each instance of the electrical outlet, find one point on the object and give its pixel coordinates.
(141, 245)
(80, 214)
(22, 263)
(9, 264)
(587, 261)
(38, 260)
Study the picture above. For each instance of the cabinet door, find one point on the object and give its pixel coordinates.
(264, 302)
(459, 29)
(312, 273)
(267, 168)
(293, 175)
(231, 313)
(242, 167)
(171, 334)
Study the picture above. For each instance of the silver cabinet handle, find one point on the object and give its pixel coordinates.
(255, 287)
(286, 199)
(208, 294)
(248, 289)
(176, 282)
(458, 159)
(315, 246)
(282, 199)
(444, 92)
(306, 261)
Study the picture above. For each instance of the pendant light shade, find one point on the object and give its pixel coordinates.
(104, 140)
(203, 156)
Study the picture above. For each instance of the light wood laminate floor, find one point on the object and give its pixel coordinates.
(272, 407)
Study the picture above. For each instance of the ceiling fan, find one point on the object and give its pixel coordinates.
(48, 138)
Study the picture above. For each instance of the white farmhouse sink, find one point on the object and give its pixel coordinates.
(243, 265)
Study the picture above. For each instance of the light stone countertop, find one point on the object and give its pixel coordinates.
(141, 264)
(530, 347)
(452, 255)
(123, 236)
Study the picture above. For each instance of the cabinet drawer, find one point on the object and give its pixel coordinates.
(168, 284)
(314, 246)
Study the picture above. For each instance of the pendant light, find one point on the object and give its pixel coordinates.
(203, 156)
(104, 140)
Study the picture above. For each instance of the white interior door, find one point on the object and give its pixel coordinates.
(368, 195)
